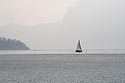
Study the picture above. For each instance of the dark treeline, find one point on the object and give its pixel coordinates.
(12, 44)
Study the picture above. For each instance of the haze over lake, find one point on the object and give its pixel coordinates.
(98, 24)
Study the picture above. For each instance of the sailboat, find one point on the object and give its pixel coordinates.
(78, 49)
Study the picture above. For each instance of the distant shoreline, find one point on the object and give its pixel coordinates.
(71, 54)
(63, 52)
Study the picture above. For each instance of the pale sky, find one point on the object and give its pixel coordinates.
(53, 24)
(33, 12)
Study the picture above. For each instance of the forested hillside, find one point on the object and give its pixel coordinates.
(12, 44)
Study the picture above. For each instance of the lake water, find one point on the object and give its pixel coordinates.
(62, 66)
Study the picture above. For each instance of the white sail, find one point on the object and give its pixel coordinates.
(78, 49)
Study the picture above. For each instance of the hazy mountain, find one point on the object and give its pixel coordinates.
(12, 44)
(97, 23)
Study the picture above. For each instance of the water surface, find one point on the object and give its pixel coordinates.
(61, 67)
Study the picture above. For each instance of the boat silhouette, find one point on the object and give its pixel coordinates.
(78, 49)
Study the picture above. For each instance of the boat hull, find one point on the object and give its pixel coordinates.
(78, 51)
